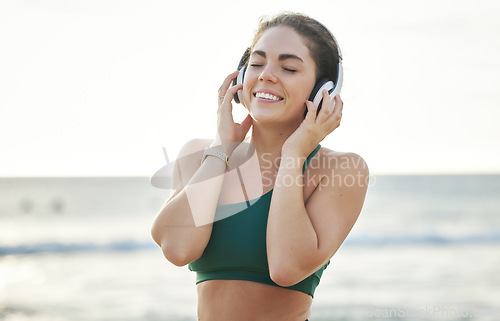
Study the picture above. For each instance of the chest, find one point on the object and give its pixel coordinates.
(246, 181)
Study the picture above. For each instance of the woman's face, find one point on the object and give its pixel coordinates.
(280, 76)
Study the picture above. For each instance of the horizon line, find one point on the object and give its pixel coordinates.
(381, 173)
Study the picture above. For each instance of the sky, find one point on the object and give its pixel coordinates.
(98, 88)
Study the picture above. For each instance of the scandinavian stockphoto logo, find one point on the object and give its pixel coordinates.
(242, 186)
(240, 190)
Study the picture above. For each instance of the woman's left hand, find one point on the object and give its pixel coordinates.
(314, 128)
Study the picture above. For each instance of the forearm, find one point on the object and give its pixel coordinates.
(183, 226)
(291, 237)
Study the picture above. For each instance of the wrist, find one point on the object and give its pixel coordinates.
(215, 152)
(216, 142)
(292, 152)
(291, 160)
(226, 147)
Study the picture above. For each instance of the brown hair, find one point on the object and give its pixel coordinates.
(318, 39)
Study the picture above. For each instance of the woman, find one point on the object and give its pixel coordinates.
(259, 217)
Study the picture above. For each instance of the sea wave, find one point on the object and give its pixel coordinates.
(353, 240)
(422, 239)
(116, 246)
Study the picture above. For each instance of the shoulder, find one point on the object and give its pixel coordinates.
(189, 156)
(195, 145)
(341, 162)
(339, 169)
(187, 163)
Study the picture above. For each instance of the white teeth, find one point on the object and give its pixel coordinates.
(266, 96)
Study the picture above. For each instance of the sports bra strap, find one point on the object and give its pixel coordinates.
(308, 159)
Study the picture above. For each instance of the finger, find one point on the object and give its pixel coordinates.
(338, 105)
(326, 107)
(335, 118)
(227, 82)
(230, 93)
(311, 111)
(225, 106)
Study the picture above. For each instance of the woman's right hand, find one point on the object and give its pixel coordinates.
(229, 133)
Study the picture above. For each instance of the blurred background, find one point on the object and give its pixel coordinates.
(92, 90)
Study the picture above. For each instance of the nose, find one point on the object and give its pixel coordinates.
(268, 74)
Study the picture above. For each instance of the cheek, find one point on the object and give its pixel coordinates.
(309, 88)
(303, 91)
(248, 82)
(245, 95)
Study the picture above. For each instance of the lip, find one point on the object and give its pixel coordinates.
(267, 91)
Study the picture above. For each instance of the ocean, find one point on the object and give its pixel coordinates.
(424, 248)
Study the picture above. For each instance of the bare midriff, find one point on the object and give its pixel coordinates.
(250, 301)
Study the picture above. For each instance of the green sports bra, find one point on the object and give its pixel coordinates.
(237, 246)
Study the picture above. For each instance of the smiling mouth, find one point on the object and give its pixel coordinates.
(267, 96)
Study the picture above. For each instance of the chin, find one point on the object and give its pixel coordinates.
(272, 118)
(262, 116)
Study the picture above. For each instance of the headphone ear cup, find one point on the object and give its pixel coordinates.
(317, 93)
(238, 81)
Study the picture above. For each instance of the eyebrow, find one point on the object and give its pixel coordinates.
(280, 57)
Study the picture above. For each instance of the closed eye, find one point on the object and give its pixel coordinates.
(289, 70)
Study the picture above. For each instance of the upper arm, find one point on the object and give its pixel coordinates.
(186, 164)
(336, 203)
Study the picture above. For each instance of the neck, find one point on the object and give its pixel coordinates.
(268, 139)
